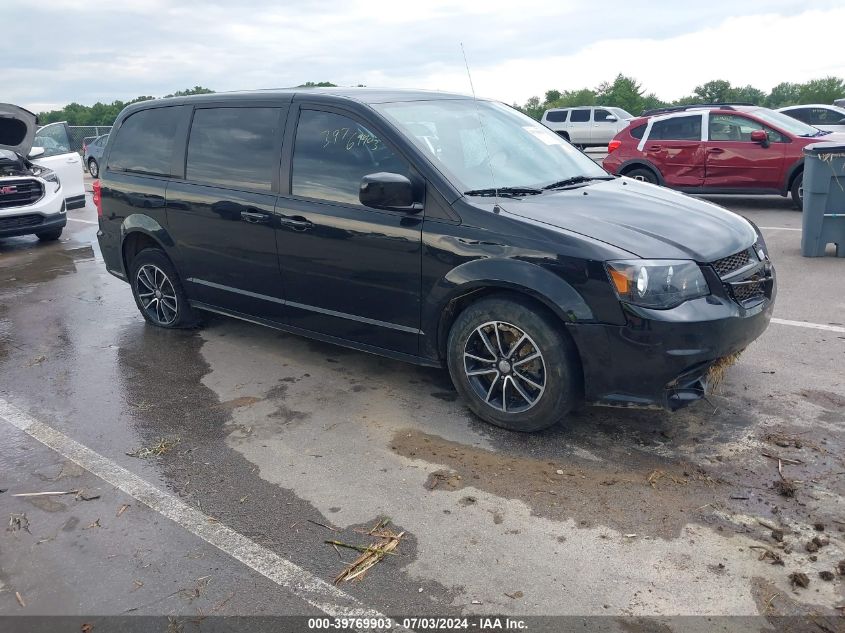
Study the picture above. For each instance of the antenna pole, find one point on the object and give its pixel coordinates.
(481, 124)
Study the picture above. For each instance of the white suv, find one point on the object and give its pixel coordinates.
(830, 118)
(40, 176)
(592, 126)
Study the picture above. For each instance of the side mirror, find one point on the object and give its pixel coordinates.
(385, 190)
(611, 117)
(761, 137)
(35, 152)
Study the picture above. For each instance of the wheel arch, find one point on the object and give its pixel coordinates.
(139, 231)
(475, 280)
(641, 163)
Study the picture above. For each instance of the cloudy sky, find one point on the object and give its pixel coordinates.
(71, 50)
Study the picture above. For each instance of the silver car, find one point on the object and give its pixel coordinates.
(588, 126)
(94, 153)
(830, 118)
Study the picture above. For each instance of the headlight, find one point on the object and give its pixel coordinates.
(657, 283)
(53, 177)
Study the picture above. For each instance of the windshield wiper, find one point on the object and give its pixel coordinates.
(504, 191)
(575, 180)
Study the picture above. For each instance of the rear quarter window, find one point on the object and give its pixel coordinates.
(144, 142)
(638, 131)
(686, 128)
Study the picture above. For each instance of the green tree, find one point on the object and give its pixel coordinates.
(784, 94)
(825, 90)
(716, 91)
(552, 96)
(626, 93)
(319, 84)
(196, 90)
(533, 108)
(748, 94)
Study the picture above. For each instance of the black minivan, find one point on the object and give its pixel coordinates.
(433, 228)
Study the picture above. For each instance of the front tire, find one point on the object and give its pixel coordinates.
(513, 363)
(797, 191)
(49, 236)
(158, 291)
(93, 168)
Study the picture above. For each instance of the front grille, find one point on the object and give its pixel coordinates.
(19, 193)
(21, 221)
(732, 263)
(750, 290)
(746, 278)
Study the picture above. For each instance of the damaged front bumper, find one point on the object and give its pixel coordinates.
(664, 359)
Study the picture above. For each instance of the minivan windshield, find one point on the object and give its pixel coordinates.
(483, 145)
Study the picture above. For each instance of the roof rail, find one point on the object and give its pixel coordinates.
(694, 106)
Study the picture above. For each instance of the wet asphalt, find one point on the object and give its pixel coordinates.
(291, 443)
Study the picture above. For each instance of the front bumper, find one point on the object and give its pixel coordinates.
(661, 358)
(47, 214)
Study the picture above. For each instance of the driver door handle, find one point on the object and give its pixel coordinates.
(296, 222)
(655, 148)
(716, 150)
(254, 217)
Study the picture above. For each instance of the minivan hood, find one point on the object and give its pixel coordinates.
(17, 128)
(649, 221)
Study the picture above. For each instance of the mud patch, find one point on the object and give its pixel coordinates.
(576, 489)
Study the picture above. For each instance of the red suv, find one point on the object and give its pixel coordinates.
(716, 149)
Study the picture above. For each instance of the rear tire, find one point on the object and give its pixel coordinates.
(158, 291)
(797, 191)
(93, 168)
(521, 386)
(643, 175)
(49, 236)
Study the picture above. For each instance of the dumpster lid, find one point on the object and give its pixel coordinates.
(825, 147)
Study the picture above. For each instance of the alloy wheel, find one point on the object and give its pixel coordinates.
(505, 367)
(156, 294)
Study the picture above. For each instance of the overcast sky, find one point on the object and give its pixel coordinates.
(70, 50)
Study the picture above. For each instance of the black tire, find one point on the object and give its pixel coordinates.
(169, 309)
(642, 173)
(49, 236)
(555, 371)
(797, 191)
(93, 168)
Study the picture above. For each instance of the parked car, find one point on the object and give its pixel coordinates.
(825, 117)
(587, 126)
(717, 149)
(93, 154)
(58, 156)
(85, 141)
(371, 219)
(32, 197)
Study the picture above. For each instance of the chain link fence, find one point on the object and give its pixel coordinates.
(78, 133)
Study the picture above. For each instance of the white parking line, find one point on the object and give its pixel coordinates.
(312, 589)
(778, 228)
(812, 326)
(83, 221)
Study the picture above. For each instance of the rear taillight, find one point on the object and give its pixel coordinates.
(613, 145)
(98, 198)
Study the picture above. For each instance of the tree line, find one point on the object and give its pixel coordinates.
(623, 92)
(106, 113)
(627, 93)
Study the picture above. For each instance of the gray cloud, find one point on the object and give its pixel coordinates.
(96, 52)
